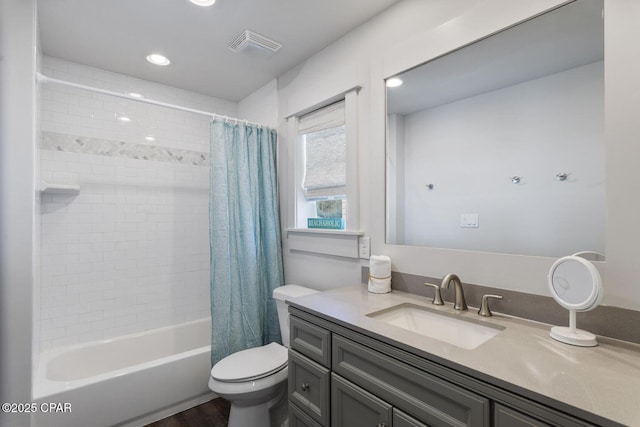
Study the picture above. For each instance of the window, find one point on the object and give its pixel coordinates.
(324, 178)
(322, 166)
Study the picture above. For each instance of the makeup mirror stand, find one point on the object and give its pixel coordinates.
(575, 284)
(572, 335)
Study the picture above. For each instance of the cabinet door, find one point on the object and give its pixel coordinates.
(309, 387)
(310, 340)
(433, 400)
(507, 417)
(297, 418)
(352, 406)
(400, 419)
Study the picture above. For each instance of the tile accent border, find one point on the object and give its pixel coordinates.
(106, 147)
(613, 322)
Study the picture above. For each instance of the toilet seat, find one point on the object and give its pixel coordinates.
(244, 389)
(251, 364)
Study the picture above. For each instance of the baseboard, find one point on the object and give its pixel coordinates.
(169, 411)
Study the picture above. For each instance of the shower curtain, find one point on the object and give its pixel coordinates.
(244, 235)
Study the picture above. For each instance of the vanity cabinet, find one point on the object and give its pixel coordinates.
(340, 377)
(437, 402)
(506, 417)
(298, 418)
(309, 373)
(353, 406)
(309, 387)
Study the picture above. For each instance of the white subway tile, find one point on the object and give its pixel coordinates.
(132, 237)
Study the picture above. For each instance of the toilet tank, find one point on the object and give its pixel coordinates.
(280, 295)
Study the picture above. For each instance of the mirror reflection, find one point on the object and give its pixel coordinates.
(499, 146)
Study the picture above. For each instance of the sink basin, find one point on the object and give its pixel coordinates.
(461, 332)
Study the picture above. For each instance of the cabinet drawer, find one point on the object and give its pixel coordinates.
(507, 417)
(309, 387)
(400, 419)
(352, 406)
(310, 340)
(297, 418)
(429, 398)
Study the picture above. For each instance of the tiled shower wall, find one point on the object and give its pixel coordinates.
(129, 252)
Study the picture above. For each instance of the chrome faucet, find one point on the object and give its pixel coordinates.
(460, 303)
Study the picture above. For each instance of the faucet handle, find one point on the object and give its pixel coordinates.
(484, 307)
(437, 296)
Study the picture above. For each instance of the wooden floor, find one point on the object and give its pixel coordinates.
(214, 413)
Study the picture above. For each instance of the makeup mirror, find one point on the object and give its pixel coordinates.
(575, 284)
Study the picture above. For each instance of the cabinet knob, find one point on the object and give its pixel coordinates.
(304, 386)
(381, 425)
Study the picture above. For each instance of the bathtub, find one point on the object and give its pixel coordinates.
(131, 380)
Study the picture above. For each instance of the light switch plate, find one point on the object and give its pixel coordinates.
(469, 221)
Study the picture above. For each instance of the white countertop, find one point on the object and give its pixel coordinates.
(603, 380)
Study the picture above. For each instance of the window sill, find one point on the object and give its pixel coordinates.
(342, 243)
(325, 231)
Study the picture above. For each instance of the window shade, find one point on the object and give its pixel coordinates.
(330, 116)
(325, 152)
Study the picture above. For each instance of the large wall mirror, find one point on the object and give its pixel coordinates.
(499, 146)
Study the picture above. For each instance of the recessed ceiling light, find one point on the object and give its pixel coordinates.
(124, 119)
(149, 138)
(157, 59)
(394, 82)
(135, 95)
(203, 2)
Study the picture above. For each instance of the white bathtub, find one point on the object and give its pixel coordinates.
(130, 380)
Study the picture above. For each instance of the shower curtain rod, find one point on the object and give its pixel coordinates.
(41, 78)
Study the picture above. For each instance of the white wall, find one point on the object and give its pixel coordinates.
(130, 251)
(395, 185)
(525, 273)
(471, 148)
(37, 242)
(622, 127)
(17, 152)
(339, 67)
(261, 106)
(408, 34)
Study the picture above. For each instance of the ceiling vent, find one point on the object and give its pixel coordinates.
(253, 39)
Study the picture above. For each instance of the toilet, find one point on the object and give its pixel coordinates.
(255, 380)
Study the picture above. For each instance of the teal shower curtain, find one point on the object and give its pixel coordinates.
(244, 235)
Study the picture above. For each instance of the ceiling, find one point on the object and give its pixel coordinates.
(116, 35)
(567, 37)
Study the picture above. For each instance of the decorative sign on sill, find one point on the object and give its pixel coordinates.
(326, 223)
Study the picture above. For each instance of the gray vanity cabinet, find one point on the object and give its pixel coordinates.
(351, 406)
(310, 340)
(339, 377)
(433, 400)
(309, 387)
(309, 374)
(400, 419)
(507, 417)
(298, 418)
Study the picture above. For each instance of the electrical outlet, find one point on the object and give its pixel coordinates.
(364, 247)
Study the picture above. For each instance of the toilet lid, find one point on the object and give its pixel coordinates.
(251, 364)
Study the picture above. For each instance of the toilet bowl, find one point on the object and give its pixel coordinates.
(255, 380)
